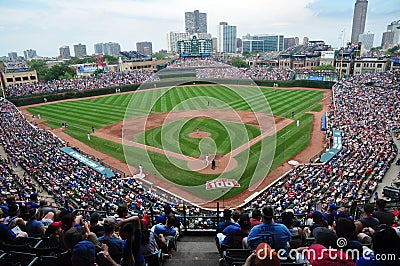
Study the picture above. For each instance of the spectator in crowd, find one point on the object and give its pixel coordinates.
(264, 255)
(7, 235)
(152, 243)
(385, 248)
(318, 221)
(94, 226)
(296, 232)
(255, 218)
(368, 221)
(236, 235)
(346, 229)
(384, 216)
(34, 227)
(329, 216)
(227, 220)
(168, 230)
(276, 235)
(13, 219)
(113, 243)
(33, 202)
(130, 232)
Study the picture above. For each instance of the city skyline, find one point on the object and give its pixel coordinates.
(46, 25)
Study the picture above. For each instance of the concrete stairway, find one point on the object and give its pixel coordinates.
(195, 250)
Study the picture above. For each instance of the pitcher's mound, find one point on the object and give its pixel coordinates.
(200, 135)
(222, 164)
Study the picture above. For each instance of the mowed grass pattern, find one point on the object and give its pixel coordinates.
(225, 136)
(81, 115)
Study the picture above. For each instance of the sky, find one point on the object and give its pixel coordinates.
(45, 25)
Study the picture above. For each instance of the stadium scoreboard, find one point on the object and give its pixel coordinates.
(195, 47)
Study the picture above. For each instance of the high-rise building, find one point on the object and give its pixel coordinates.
(367, 39)
(195, 22)
(111, 48)
(359, 18)
(98, 48)
(387, 39)
(305, 40)
(29, 54)
(64, 52)
(395, 27)
(145, 48)
(262, 43)
(80, 50)
(173, 38)
(289, 42)
(13, 56)
(226, 38)
(214, 44)
(239, 44)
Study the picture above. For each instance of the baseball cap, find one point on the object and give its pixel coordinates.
(83, 253)
(34, 196)
(266, 256)
(56, 224)
(93, 238)
(316, 214)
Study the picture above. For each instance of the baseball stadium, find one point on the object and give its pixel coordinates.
(199, 143)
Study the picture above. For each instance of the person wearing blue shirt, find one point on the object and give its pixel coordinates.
(226, 222)
(168, 229)
(274, 234)
(234, 234)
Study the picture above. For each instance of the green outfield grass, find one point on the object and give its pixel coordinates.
(81, 115)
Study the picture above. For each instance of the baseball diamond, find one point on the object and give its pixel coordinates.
(235, 131)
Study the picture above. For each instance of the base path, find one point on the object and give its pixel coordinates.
(317, 141)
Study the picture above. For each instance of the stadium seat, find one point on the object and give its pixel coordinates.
(18, 258)
(2, 254)
(236, 255)
(62, 259)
